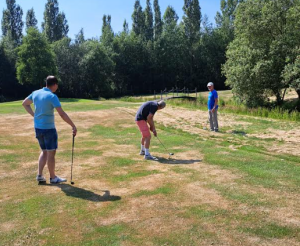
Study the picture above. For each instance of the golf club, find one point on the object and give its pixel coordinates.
(72, 161)
(165, 147)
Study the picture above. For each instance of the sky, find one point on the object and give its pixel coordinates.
(88, 14)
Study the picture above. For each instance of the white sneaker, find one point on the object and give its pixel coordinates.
(40, 178)
(57, 180)
(150, 157)
(142, 152)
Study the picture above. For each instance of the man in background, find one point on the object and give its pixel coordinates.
(212, 105)
(45, 101)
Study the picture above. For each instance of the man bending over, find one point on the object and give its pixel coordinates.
(143, 118)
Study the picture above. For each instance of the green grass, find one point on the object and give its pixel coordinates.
(193, 202)
(236, 108)
(164, 190)
(272, 231)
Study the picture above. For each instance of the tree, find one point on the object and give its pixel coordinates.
(266, 37)
(191, 27)
(79, 38)
(192, 19)
(12, 23)
(55, 25)
(31, 21)
(62, 27)
(107, 32)
(148, 21)
(291, 73)
(68, 58)
(170, 18)
(97, 71)
(36, 59)
(158, 25)
(138, 19)
(8, 81)
(225, 19)
(125, 27)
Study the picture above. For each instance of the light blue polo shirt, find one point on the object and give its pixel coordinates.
(44, 103)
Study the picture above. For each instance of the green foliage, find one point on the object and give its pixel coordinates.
(107, 32)
(12, 24)
(148, 21)
(192, 19)
(158, 24)
(55, 25)
(79, 38)
(8, 82)
(36, 59)
(265, 37)
(138, 19)
(97, 71)
(31, 21)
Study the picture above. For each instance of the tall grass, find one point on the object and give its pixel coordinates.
(231, 106)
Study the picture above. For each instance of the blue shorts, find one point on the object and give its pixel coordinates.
(47, 138)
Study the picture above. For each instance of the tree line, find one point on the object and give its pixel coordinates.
(253, 48)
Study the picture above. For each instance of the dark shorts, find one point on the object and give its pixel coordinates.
(47, 138)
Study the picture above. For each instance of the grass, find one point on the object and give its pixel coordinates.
(209, 194)
(228, 105)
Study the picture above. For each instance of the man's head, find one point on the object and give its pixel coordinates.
(52, 83)
(161, 104)
(210, 86)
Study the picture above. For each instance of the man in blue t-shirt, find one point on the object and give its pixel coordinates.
(212, 105)
(45, 101)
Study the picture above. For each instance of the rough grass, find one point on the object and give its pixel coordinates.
(219, 189)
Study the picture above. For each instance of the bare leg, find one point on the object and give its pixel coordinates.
(143, 141)
(42, 162)
(147, 142)
(51, 163)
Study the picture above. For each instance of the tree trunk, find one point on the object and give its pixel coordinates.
(298, 92)
(298, 104)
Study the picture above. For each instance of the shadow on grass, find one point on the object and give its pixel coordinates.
(239, 133)
(178, 161)
(81, 193)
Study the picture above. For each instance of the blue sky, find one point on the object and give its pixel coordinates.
(88, 14)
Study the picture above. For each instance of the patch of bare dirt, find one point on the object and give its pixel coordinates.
(8, 226)
(199, 194)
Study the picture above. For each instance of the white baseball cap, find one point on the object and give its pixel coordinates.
(210, 84)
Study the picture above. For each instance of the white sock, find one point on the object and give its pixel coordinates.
(147, 152)
(142, 147)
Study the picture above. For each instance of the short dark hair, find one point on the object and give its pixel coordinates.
(51, 80)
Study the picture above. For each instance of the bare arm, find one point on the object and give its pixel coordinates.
(27, 105)
(67, 119)
(151, 123)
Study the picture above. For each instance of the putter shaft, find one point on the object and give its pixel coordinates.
(72, 158)
(164, 147)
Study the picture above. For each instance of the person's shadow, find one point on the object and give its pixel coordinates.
(177, 161)
(81, 193)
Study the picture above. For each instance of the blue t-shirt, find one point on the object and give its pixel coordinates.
(146, 109)
(212, 95)
(44, 103)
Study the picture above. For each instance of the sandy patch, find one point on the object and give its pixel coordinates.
(8, 226)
